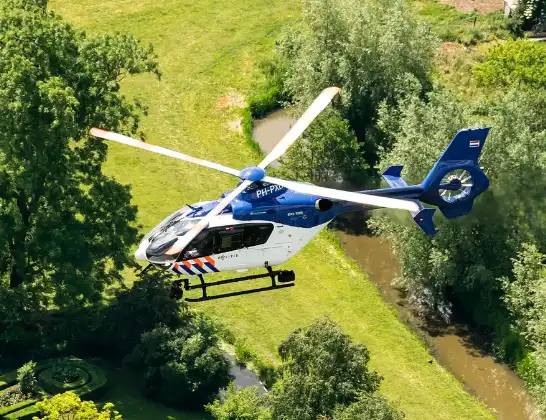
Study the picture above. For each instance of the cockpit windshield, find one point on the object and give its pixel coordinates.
(164, 235)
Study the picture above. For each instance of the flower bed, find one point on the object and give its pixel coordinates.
(84, 379)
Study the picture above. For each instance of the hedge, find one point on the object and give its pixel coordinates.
(91, 386)
(52, 386)
(8, 379)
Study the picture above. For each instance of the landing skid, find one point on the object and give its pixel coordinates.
(286, 278)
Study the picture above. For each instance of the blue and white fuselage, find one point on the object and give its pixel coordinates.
(267, 224)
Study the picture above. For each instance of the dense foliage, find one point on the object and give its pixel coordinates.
(322, 368)
(63, 371)
(324, 374)
(484, 265)
(242, 404)
(182, 366)
(368, 407)
(532, 13)
(326, 150)
(377, 50)
(64, 233)
(514, 63)
(69, 406)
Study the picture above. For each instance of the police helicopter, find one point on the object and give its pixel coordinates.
(265, 221)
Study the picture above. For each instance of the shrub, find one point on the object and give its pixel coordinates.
(70, 406)
(513, 63)
(27, 378)
(183, 366)
(268, 373)
(64, 371)
(242, 404)
(369, 407)
(243, 354)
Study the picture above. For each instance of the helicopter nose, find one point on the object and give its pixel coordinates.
(140, 253)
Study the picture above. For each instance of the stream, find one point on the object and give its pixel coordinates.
(457, 348)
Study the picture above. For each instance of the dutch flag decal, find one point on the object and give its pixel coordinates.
(474, 143)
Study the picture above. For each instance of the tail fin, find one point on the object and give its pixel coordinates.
(453, 183)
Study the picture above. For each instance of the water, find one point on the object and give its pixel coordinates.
(454, 346)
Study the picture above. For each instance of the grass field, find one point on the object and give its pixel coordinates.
(209, 49)
(125, 393)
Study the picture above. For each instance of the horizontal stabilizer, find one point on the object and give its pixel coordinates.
(423, 217)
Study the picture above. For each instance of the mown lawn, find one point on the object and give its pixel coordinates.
(207, 50)
(125, 393)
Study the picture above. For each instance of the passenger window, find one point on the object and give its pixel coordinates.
(257, 234)
(228, 240)
(219, 240)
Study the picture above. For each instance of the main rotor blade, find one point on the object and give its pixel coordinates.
(108, 135)
(366, 199)
(182, 242)
(301, 125)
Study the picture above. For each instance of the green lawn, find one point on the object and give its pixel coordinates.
(124, 392)
(207, 50)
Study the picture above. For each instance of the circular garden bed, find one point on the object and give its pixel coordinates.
(56, 376)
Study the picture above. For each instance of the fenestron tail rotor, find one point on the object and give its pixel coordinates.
(254, 174)
(456, 185)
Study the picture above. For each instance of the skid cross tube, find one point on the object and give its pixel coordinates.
(204, 285)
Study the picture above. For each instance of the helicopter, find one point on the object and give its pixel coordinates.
(265, 221)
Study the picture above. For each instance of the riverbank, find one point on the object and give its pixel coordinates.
(454, 346)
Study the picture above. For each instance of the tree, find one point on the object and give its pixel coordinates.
(183, 366)
(135, 311)
(322, 369)
(375, 50)
(464, 262)
(514, 63)
(65, 227)
(532, 13)
(526, 300)
(69, 406)
(369, 407)
(242, 404)
(526, 294)
(327, 152)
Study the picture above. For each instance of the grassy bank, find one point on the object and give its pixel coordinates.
(208, 51)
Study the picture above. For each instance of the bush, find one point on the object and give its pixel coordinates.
(513, 63)
(243, 404)
(268, 374)
(26, 377)
(532, 13)
(69, 405)
(64, 371)
(243, 355)
(183, 366)
(369, 407)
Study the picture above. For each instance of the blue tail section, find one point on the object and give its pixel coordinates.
(452, 184)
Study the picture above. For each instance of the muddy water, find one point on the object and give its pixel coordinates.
(455, 347)
(268, 131)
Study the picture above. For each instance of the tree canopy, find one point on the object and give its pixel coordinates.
(65, 227)
(377, 50)
(322, 368)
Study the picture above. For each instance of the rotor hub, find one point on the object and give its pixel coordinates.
(252, 173)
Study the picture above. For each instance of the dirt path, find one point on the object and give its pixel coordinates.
(479, 5)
